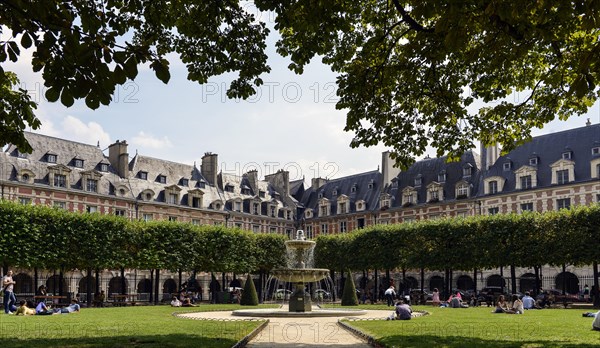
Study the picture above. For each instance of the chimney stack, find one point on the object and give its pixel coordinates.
(208, 168)
(316, 183)
(281, 180)
(387, 168)
(119, 158)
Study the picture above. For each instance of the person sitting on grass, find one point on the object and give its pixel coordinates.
(403, 311)
(99, 299)
(175, 302)
(517, 306)
(501, 306)
(23, 309)
(72, 308)
(42, 309)
(596, 322)
(187, 302)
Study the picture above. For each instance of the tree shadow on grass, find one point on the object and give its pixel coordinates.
(408, 341)
(158, 341)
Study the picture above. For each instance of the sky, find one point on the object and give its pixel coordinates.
(291, 123)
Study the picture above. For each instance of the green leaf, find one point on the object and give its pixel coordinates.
(52, 94)
(130, 67)
(66, 98)
(26, 40)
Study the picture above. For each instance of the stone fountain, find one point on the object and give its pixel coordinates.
(299, 272)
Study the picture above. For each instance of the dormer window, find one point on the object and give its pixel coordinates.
(245, 190)
(467, 170)
(371, 184)
(25, 177)
(162, 179)
(596, 151)
(103, 167)
(353, 188)
(395, 183)
(201, 183)
(21, 154)
(228, 188)
(462, 190)
(320, 195)
(506, 166)
(533, 161)
(51, 158)
(442, 176)
(143, 175)
(261, 194)
(184, 182)
(78, 163)
(335, 192)
(418, 180)
(567, 155)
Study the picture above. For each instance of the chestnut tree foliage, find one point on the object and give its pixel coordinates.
(411, 74)
(84, 49)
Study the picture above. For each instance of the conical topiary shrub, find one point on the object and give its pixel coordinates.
(349, 295)
(249, 296)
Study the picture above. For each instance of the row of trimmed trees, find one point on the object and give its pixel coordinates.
(482, 242)
(40, 237)
(46, 238)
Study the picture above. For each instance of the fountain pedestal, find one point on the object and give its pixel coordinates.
(299, 300)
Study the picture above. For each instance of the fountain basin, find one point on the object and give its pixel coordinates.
(300, 275)
(282, 312)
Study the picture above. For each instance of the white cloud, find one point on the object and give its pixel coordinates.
(74, 129)
(151, 142)
(89, 133)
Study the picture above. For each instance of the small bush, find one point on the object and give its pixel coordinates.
(349, 295)
(249, 296)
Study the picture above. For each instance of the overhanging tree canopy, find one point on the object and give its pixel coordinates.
(409, 72)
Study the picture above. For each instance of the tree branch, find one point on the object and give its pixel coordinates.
(411, 21)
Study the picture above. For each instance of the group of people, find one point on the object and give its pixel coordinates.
(27, 308)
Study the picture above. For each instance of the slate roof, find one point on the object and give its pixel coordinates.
(343, 186)
(239, 182)
(66, 151)
(428, 170)
(174, 173)
(548, 149)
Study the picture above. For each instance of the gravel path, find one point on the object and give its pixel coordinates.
(300, 332)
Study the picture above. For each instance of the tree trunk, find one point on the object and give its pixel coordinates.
(513, 279)
(180, 285)
(422, 279)
(376, 287)
(97, 289)
(35, 280)
(60, 283)
(123, 284)
(475, 281)
(502, 284)
(564, 279)
(151, 295)
(90, 284)
(260, 286)
(596, 292)
(536, 291)
(156, 286)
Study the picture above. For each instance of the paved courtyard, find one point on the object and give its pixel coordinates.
(300, 332)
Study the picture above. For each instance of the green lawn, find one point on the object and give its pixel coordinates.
(140, 326)
(478, 327)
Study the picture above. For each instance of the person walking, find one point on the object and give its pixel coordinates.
(10, 300)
